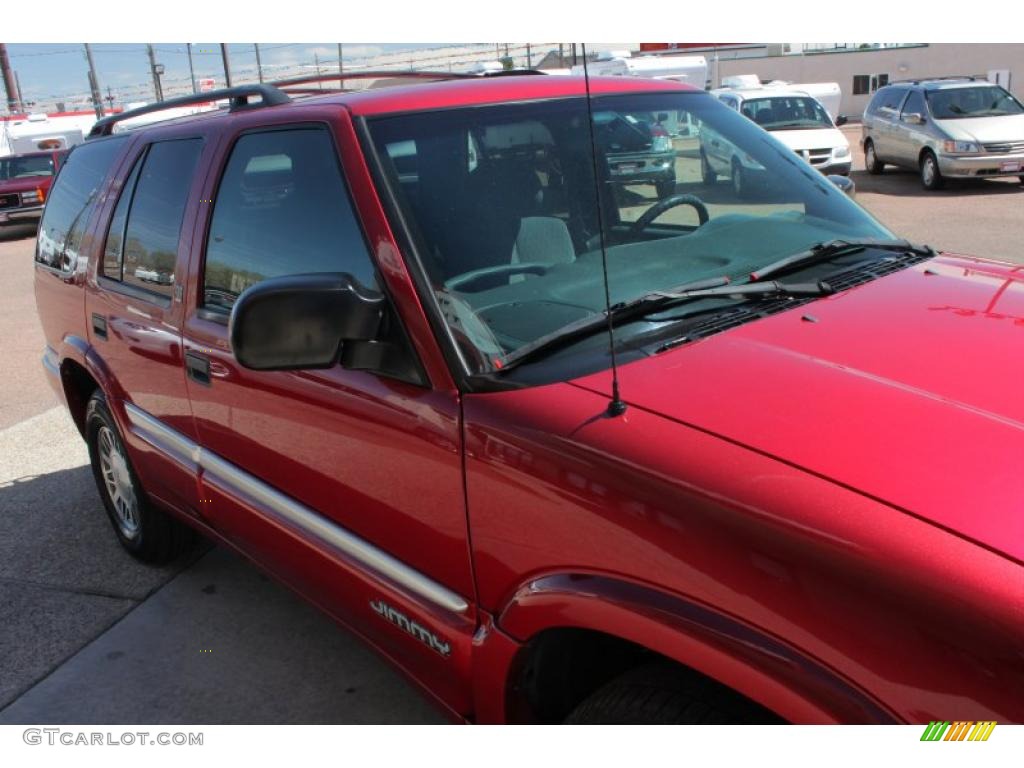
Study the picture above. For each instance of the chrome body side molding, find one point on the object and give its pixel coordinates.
(278, 506)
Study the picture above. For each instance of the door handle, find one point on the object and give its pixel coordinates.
(99, 326)
(198, 368)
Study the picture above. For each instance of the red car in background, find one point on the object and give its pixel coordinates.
(24, 185)
(365, 339)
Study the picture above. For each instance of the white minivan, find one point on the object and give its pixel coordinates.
(793, 117)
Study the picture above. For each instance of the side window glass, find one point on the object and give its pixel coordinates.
(114, 247)
(72, 201)
(156, 211)
(914, 105)
(282, 208)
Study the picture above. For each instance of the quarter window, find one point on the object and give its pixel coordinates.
(914, 105)
(282, 208)
(71, 202)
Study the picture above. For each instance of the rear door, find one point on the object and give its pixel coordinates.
(887, 131)
(346, 483)
(134, 311)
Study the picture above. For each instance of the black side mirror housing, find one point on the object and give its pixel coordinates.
(302, 321)
(842, 120)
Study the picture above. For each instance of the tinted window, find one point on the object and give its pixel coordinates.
(113, 250)
(155, 214)
(914, 104)
(861, 84)
(282, 208)
(71, 202)
(892, 99)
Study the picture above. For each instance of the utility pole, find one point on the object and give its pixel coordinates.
(191, 69)
(10, 84)
(529, 60)
(316, 60)
(110, 99)
(227, 63)
(156, 70)
(94, 83)
(259, 66)
(341, 68)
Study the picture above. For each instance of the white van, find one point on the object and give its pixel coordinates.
(795, 118)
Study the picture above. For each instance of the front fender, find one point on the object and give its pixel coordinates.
(778, 676)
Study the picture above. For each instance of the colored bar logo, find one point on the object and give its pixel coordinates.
(961, 730)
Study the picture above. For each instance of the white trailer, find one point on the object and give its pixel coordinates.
(692, 70)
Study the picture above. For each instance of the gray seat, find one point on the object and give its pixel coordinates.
(543, 240)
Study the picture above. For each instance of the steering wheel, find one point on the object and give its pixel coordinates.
(459, 282)
(663, 205)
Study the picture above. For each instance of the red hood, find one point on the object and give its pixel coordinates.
(7, 186)
(909, 389)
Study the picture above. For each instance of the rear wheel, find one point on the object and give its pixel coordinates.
(663, 694)
(148, 533)
(931, 176)
(739, 179)
(871, 162)
(706, 171)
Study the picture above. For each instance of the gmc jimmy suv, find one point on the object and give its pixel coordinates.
(367, 339)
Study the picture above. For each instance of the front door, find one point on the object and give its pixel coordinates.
(346, 483)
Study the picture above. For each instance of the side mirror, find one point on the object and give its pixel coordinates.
(844, 183)
(914, 118)
(303, 321)
(842, 120)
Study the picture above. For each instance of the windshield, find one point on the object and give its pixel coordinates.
(787, 112)
(980, 101)
(25, 167)
(503, 207)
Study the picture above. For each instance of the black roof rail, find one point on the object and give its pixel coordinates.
(288, 84)
(238, 95)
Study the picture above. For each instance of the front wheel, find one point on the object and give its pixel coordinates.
(931, 176)
(739, 180)
(148, 533)
(662, 694)
(872, 164)
(665, 188)
(707, 173)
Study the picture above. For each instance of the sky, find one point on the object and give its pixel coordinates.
(49, 72)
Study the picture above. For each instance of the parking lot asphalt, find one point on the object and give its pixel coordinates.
(89, 635)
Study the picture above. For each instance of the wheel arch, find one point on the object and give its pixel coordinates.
(642, 622)
(82, 372)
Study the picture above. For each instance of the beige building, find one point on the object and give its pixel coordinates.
(860, 72)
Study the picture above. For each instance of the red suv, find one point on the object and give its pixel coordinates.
(366, 339)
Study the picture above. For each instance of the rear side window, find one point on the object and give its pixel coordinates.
(72, 201)
(142, 244)
(891, 101)
(282, 208)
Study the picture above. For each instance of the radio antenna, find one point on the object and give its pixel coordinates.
(616, 407)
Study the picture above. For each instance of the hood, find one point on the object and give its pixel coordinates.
(7, 186)
(987, 130)
(812, 138)
(909, 389)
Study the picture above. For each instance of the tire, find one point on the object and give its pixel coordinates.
(931, 176)
(707, 173)
(665, 188)
(1021, 179)
(147, 533)
(664, 694)
(872, 164)
(739, 180)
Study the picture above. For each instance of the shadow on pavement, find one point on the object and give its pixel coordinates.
(901, 183)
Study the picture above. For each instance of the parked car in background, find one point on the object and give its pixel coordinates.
(956, 128)
(561, 452)
(24, 184)
(793, 117)
(637, 149)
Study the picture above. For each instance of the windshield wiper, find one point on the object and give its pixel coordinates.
(832, 248)
(650, 304)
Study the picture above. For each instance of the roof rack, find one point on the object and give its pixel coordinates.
(919, 80)
(288, 85)
(239, 97)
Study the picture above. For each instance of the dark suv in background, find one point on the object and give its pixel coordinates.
(946, 128)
